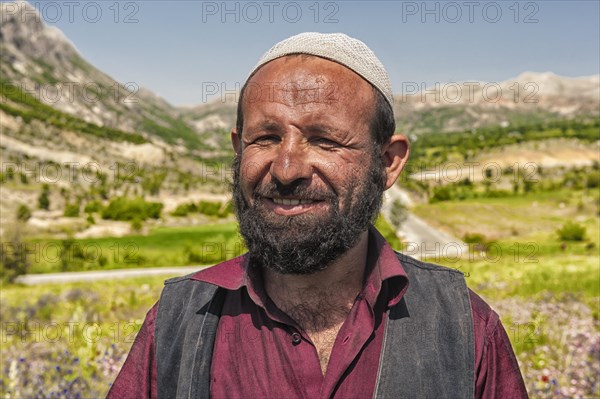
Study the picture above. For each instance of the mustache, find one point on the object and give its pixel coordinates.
(296, 190)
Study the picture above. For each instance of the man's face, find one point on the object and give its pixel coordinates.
(308, 180)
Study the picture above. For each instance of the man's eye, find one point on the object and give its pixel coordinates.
(323, 142)
(266, 139)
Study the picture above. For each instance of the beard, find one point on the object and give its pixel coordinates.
(307, 243)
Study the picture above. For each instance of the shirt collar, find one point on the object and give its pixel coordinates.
(382, 266)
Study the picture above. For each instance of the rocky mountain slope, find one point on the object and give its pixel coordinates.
(39, 61)
(526, 99)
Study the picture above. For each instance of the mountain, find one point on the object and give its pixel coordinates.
(41, 60)
(529, 98)
(39, 63)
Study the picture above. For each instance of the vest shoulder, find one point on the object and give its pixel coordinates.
(229, 272)
(413, 263)
(180, 279)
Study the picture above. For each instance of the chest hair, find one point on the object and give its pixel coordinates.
(322, 321)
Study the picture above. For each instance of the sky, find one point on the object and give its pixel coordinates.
(185, 50)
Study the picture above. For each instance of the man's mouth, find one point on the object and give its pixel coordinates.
(291, 201)
(292, 206)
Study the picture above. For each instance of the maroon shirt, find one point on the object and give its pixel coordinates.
(260, 352)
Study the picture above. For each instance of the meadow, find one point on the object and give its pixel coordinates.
(70, 340)
(162, 246)
(546, 290)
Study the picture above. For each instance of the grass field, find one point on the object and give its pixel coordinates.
(165, 246)
(75, 336)
(546, 291)
(71, 339)
(518, 217)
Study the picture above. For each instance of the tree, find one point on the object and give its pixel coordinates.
(72, 210)
(23, 213)
(13, 257)
(43, 200)
(398, 213)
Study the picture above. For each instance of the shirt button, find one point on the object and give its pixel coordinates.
(296, 339)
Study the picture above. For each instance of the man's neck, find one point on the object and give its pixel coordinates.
(319, 300)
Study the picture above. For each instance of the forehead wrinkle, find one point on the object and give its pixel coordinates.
(305, 75)
(324, 128)
(266, 124)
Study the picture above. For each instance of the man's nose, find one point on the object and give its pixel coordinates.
(291, 164)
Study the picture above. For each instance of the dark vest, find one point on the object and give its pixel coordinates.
(428, 347)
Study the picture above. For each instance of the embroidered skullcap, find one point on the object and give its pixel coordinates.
(337, 47)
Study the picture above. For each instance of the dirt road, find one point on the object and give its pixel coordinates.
(70, 277)
(422, 240)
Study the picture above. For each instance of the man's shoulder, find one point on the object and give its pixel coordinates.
(227, 274)
(416, 264)
(198, 289)
(483, 315)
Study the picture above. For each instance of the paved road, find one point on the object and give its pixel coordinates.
(422, 239)
(70, 277)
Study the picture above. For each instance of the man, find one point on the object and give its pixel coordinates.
(320, 306)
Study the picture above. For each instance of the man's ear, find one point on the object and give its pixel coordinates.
(395, 156)
(236, 141)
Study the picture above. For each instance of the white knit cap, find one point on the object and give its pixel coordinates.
(339, 48)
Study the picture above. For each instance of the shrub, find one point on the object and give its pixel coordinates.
(181, 210)
(492, 193)
(593, 180)
(71, 210)
(23, 213)
(441, 193)
(72, 256)
(123, 208)
(571, 231)
(209, 208)
(13, 258)
(93, 206)
(43, 200)
(136, 224)
(153, 210)
(398, 213)
(474, 238)
(102, 261)
(153, 183)
(10, 173)
(184, 209)
(194, 257)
